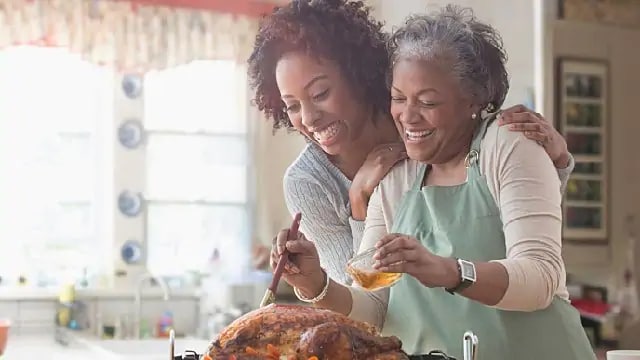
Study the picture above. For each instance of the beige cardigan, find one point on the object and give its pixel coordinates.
(526, 188)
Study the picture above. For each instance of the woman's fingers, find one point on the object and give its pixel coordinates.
(400, 255)
(526, 127)
(300, 246)
(515, 109)
(291, 268)
(400, 242)
(399, 267)
(386, 239)
(282, 238)
(539, 137)
(280, 243)
(522, 117)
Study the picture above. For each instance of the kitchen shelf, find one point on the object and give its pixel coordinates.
(584, 124)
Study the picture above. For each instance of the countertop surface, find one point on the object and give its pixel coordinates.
(43, 346)
(81, 347)
(36, 294)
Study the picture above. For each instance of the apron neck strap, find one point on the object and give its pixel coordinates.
(487, 119)
(471, 161)
(417, 185)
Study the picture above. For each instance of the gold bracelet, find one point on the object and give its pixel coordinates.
(320, 296)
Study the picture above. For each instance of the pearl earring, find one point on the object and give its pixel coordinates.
(474, 116)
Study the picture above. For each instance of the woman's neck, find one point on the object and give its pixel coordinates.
(378, 130)
(451, 172)
(454, 170)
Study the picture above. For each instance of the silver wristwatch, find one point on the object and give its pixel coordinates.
(467, 271)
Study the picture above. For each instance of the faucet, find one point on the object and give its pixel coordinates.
(138, 298)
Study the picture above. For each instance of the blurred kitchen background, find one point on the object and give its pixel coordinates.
(140, 190)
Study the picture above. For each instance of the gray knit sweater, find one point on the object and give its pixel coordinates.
(320, 191)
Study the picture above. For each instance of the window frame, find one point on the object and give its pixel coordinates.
(250, 190)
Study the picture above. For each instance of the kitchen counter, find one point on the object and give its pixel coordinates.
(86, 347)
(43, 346)
(25, 294)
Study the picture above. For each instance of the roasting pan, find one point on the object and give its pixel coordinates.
(190, 355)
(469, 350)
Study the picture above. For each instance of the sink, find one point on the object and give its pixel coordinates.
(144, 349)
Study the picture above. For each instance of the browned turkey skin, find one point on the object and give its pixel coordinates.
(301, 333)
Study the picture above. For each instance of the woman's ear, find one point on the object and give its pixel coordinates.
(475, 109)
(490, 108)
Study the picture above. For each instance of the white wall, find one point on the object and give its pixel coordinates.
(514, 20)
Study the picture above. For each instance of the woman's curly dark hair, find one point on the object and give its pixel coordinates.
(338, 30)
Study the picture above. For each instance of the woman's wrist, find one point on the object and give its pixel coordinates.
(315, 286)
(359, 201)
(451, 273)
(562, 162)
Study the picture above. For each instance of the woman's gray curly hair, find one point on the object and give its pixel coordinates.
(473, 50)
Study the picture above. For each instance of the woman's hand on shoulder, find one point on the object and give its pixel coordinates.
(400, 253)
(535, 127)
(302, 269)
(378, 163)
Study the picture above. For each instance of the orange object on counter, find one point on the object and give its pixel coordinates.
(4, 334)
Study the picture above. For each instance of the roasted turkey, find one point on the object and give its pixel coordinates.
(300, 332)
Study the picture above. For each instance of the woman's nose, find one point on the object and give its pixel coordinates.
(310, 115)
(409, 114)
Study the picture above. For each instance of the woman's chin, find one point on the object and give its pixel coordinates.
(421, 155)
(333, 149)
(333, 146)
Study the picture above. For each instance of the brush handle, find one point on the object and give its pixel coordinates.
(282, 261)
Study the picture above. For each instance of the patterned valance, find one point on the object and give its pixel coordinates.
(624, 13)
(126, 35)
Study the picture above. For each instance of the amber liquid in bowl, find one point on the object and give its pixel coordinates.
(373, 280)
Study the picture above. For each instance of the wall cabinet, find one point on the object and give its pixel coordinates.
(583, 122)
(591, 83)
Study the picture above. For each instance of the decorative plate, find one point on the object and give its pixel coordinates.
(132, 85)
(131, 133)
(131, 252)
(130, 203)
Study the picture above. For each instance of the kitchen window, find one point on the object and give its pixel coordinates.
(52, 104)
(196, 166)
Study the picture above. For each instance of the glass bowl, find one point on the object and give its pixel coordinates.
(360, 267)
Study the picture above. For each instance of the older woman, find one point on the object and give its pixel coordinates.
(473, 220)
(319, 67)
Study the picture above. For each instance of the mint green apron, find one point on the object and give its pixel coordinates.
(463, 221)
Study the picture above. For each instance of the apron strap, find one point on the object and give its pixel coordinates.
(471, 161)
(417, 184)
(482, 130)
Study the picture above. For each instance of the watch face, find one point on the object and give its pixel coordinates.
(468, 270)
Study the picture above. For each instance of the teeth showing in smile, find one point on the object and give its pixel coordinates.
(417, 135)
(327, 133)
